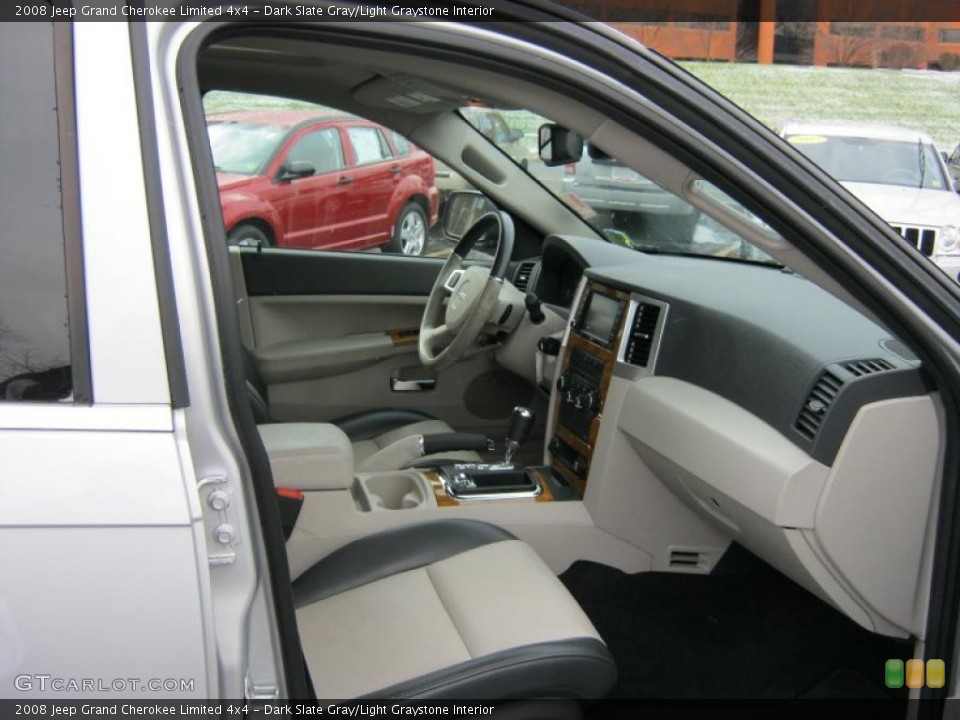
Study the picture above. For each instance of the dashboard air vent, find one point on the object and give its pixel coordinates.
(522, 277)
(815, 407)
(858, 368)
(640, 340)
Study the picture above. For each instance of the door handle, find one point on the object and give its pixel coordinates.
(344, 180)
(396, 169)
(397, 385)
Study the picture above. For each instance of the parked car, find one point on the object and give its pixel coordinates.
(953, 165)
(729, 476)
(293, 178)
(625, 199)
(898, 173)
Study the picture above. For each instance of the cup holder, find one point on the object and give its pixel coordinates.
(392, 491)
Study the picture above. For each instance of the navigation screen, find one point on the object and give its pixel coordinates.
(599, 318)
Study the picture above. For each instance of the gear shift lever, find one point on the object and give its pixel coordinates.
(521, 423)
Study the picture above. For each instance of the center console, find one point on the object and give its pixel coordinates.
(476, 481)
(585, 371)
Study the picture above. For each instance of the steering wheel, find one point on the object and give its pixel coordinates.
(448, 330)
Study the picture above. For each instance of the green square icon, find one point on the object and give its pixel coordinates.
(893, 673)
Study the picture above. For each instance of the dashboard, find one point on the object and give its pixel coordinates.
(767, 407)
(766, 339)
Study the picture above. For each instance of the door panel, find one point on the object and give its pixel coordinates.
(278, 272)
(108, 538)
(310, 206)
(329, 331)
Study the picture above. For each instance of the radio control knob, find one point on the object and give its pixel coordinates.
(580, 466)
(563, 382)
(591, 400)
(554, 446)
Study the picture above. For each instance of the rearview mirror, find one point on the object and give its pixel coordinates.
(296, 169)
(462, 209)
(559, 145)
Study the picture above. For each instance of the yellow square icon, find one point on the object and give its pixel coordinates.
(914, 673)
(936, 673)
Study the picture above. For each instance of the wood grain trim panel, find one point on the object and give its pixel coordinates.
(576, 341)
(402, 338)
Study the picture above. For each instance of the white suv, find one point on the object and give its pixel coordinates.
(898, 173)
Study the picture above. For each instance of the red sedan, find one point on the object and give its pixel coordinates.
(299, 179)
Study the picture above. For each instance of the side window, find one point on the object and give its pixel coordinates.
(500, 131)
(725, 242)
(371, 188)
(35, 352)
(321, 149)
(368, 145)
(401, 144)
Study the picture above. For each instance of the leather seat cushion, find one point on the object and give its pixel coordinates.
(446, 609)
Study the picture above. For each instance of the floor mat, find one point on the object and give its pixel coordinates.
(744, 631)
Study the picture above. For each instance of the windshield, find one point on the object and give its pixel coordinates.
(243, 148)
(871, 160)
(620, 203)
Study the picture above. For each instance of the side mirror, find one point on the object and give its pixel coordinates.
(461, 209)
(296, 169)
(559, 145)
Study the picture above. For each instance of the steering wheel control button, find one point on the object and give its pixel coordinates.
(451, 284)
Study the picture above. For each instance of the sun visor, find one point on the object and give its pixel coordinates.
(410, 93)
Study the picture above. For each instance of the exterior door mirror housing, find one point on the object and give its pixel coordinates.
(296, 169)
(462, 209)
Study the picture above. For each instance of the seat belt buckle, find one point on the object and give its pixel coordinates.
(290, 502)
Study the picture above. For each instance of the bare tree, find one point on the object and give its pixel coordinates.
(898, 56)
(796, 29)
(646, 32)
(16, 357)
(850, 44)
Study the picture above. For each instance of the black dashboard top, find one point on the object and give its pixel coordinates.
(768, 340)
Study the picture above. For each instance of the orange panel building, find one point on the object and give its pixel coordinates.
(864, 33)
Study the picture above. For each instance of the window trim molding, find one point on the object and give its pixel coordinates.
(70, 213)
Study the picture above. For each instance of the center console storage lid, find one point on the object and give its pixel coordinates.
(308, 456)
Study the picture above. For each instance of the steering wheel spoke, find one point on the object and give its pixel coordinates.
(433, 335)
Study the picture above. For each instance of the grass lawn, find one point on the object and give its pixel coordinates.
(926, 101)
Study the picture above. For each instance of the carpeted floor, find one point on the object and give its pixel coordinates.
(744, 631)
